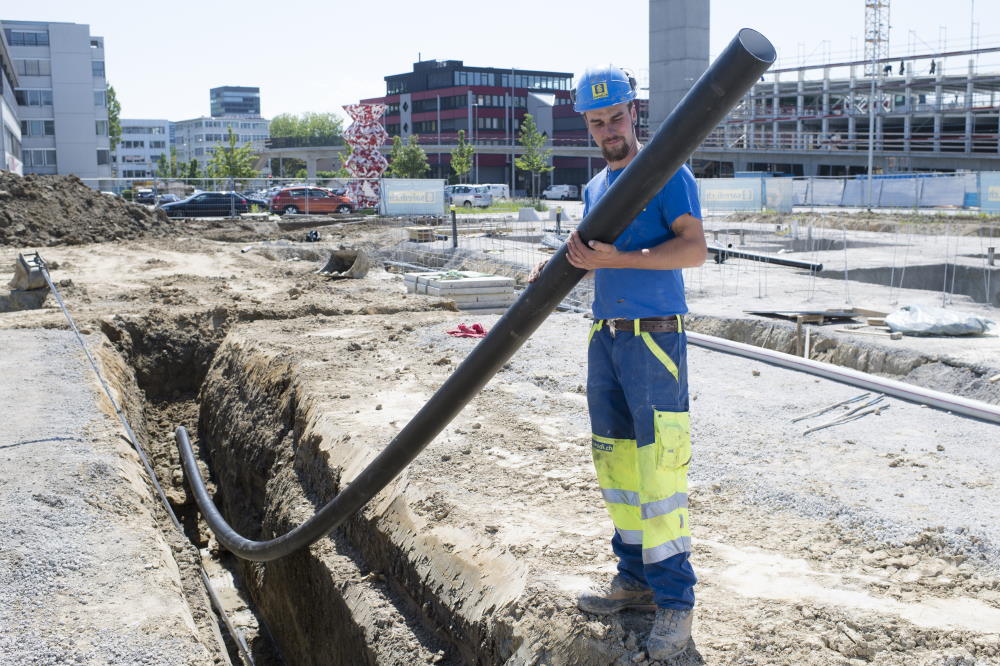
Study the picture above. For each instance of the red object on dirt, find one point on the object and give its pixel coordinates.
(463, 331)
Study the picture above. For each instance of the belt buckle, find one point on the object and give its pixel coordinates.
(612, 328)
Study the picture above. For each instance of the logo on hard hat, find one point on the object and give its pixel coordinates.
(599, 90)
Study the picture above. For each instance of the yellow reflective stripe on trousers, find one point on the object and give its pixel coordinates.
(594, 329)
(659, 353)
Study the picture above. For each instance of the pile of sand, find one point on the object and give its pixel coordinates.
(39, 211)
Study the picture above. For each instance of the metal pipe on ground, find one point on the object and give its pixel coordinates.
(723, 253)
(720, 88)
(897, 389)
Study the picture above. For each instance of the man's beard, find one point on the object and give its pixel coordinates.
(618, 152)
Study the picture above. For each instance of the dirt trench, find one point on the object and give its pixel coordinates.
(413, 578)
(933, 372)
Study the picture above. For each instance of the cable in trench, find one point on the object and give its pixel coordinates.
(241, 644)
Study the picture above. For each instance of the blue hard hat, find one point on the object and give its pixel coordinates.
(603, 86)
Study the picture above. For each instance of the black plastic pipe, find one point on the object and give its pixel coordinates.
(725, 82)
(723, 253)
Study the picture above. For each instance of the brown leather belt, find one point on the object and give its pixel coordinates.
(649, 324)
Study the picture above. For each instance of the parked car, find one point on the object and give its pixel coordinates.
(498, 190)
(295, 200)
(167, 198)
(563, 192)
(211, 204)
(469, 195)
(144, 195)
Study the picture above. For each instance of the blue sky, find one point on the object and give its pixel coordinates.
(162, 58)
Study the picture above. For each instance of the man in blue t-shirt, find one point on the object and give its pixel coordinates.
(637, 390)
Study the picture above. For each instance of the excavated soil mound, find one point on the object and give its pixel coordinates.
(60, 210)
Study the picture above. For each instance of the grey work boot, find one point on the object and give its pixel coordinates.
(619, 595)
(670, 634)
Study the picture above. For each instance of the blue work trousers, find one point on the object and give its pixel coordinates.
(638, 399)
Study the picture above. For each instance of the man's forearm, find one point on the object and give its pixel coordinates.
(669, 255)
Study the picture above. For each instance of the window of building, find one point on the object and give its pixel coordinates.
(103, 157)
(424, 127)
(498, 101)
(454, 102)
(27, 37)
(100, 98)
(33, 67)
(489, 123)
(38, 127)
(97, 66)
(13, 143)
(38, 158)
(392, 129)
(157, 144)
(133, 159)
(33, 97)
(102, 127)
(199, 152)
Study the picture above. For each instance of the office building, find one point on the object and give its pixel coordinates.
(142, 143)
(198, 138)
(235, 101)
(440, 97)
(61, 98)
(10, 126)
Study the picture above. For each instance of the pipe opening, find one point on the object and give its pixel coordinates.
(757, 45)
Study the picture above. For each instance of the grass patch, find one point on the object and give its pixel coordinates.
(503, 206)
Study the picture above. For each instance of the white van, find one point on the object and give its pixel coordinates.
(563, 192)
(499, 191)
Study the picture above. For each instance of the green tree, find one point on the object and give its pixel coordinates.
(534, 158)
(307, 126)
(343, 156)
(461, 157)
(193, 173)
(114, 118)
(168, 167)
(232, 161)
(407, 161)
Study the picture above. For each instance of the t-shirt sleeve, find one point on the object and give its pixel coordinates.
(682, 196)
(586, 199)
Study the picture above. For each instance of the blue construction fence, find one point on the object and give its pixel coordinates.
(979, 191)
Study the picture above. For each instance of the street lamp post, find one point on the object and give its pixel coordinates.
(475, 142)
(513, 169)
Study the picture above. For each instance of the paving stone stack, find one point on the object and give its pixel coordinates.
(468, 289)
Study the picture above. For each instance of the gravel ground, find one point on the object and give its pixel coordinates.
(85, 576)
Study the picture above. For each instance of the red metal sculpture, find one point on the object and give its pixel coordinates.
(366, 163)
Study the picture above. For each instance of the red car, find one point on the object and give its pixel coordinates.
(308, 200)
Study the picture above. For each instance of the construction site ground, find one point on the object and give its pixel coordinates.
(877, 541)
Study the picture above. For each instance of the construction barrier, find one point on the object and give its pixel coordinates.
(412, 196)
(989, 192)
